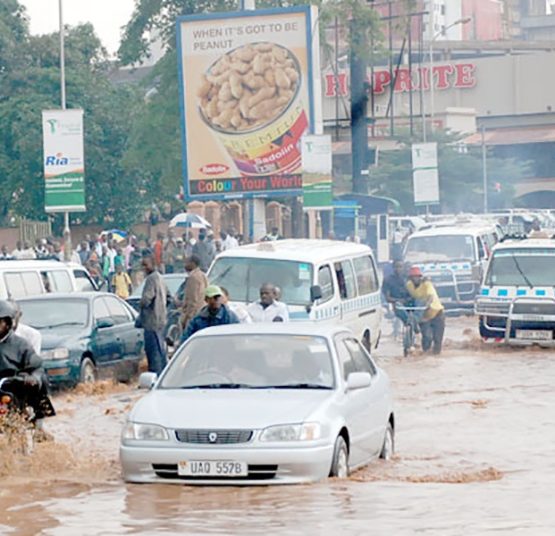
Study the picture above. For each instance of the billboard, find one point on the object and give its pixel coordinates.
(64, 167)
(425, 174)
(317, 171)
(247, 98)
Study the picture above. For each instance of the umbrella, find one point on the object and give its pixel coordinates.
(190, 220)
(117, 235)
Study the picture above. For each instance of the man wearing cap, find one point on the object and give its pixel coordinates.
(432, 323)
(214, 313)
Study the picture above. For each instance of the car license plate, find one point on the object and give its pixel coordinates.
(223, 468)
(534, 334)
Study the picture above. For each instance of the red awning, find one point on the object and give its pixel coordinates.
(514, 136)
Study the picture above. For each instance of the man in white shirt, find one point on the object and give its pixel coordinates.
(228, 241)
(268, 309)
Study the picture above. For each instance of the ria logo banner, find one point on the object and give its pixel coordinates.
(64, 168)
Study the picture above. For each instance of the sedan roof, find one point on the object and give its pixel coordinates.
(52, 296)
(309, 329)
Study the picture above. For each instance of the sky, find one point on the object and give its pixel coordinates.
(107, 17)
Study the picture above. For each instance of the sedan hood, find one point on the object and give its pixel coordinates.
(227, 408)
(60, 338)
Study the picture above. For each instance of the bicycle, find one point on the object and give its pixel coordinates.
(410, 326)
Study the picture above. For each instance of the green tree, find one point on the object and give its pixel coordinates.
(32, 86)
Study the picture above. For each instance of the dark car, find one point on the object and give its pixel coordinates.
(85, 335)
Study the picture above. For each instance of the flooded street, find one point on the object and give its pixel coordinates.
(475, 436)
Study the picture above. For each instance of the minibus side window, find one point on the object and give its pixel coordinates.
(345, 280)
(325, 281)
(366, 275)
(481, 250)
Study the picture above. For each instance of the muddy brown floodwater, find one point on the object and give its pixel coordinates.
(475, 455)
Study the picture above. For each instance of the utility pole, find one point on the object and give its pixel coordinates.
(67, 230)
(484, 168)
(359, 105)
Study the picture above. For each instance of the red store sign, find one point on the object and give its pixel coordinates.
(448, 76)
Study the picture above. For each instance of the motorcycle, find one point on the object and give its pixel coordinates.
(17, 413)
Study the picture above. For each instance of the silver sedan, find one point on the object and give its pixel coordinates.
(277, 403)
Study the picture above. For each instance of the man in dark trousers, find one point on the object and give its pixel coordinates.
(214, 313)
(153, 315)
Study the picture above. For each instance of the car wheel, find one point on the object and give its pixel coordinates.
(388, 447)
(340, 462)
(88, 371)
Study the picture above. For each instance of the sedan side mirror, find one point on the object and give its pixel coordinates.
(147, 379)
(105, 323)
(358, 380)
(315, 293)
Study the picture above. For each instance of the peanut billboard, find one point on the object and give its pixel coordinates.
(246, 92)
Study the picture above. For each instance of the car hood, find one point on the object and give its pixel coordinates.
(60, 338)
(227, 408)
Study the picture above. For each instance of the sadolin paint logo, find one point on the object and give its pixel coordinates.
(214, 169)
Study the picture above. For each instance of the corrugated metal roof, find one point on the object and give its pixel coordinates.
(514, 136)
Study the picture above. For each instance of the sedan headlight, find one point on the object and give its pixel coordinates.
(144, 432)
(307, 431)
(56, 353)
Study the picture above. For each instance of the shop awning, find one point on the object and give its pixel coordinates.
(514, 136)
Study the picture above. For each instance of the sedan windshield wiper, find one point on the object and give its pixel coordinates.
(61, 324)
(218, 386)
(297, 386)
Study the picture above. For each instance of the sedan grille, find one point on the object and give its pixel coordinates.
(214, 437)
(256, 472)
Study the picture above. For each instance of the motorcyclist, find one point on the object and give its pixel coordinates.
(18, 359)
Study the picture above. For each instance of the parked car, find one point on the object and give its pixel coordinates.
(260, 404)
(85, 335)
(31, 278)
(176, 287)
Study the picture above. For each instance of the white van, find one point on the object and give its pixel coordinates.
(454, 258)
(516, 303)
(323, 280)
(29, 278)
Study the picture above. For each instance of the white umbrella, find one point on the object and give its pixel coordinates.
(189, 220)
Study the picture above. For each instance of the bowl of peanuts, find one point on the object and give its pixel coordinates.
(249, 90)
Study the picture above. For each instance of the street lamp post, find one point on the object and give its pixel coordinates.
(431, 65)
(67, 230)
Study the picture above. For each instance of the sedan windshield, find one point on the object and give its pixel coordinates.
(243, 277)
(48, 314)
(440, 248)
(531, 268)
(251, 361)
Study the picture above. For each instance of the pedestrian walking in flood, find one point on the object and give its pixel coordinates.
(153, 315)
